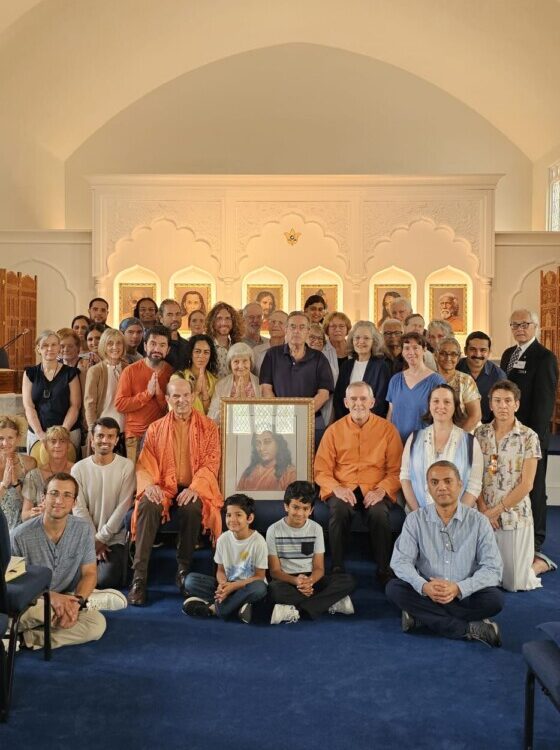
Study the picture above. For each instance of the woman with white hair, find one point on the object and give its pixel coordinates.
(240, 383)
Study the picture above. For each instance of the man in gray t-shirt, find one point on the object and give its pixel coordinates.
(65, 544)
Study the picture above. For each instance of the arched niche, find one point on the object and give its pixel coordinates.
(56, 302)
(263, 280)
(192, 285)
(450, 283)
(320, 280)
(390, 279)
(130, 285)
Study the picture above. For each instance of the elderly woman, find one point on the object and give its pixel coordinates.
(13, 469)
(53, 457)
(202, 364)
(441, 440)
(240, 383)
(225, 326)
(317, 338)
(337, 326)
(79, 325)
(51, 393)
(366, 364)
(102, 379)
(448, 354)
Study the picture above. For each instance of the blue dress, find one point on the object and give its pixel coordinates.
(410, 404)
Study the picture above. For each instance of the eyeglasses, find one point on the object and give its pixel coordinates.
(392, 333)
(317, 339)
(65, 495)
(451, 355)
(449, 542)
(523, 326)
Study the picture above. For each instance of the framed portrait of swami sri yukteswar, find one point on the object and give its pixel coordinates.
(449, 302)
(266, 445)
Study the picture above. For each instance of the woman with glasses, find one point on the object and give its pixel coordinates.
(448, 354)
(365, 364)
(13, 469)
(53, 457)
(442, 439)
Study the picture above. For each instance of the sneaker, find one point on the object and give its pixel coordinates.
(194, 606)
(106, 599)
(342, 607)
(284, 613)
(6, 642)
(246, 613)
(486, 632)
(408, 622)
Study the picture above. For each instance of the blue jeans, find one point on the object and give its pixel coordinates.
(198, 584)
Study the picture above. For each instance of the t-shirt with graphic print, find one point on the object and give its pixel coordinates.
(241, 557)
(295, 547)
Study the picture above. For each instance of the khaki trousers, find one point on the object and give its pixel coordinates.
(90, 627)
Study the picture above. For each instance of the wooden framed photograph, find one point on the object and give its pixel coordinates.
(192, 297)
(269, 296)
(329, 292)
(384, 295)
(449, 302)
(266, 445)
(130, 294)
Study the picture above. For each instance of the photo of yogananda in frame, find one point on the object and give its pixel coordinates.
(270, 466)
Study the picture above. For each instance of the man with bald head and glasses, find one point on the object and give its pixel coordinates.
(534, 369)
(448, 565)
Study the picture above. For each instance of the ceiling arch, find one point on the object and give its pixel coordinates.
(66, 68)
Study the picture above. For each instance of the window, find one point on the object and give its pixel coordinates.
(554, 198)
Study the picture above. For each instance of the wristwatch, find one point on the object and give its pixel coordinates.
(83, 602)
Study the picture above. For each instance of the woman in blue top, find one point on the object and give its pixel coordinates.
(410, 389)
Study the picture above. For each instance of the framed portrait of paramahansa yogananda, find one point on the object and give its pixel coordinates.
(266, 444)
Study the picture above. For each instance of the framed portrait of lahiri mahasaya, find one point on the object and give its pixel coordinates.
(384, 295)
(269, 296)
(129, 296)
(329, 292)
(266, 445)
(449, 302)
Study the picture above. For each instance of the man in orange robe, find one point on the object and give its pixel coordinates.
(178, 467)
(357, 467)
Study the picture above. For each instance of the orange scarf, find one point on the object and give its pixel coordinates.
(156, 465)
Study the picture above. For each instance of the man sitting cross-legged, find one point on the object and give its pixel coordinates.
(58, 540)
(448, 565)
(296, 552)
(178, 467)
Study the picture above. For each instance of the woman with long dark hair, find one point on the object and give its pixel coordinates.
(202, 365)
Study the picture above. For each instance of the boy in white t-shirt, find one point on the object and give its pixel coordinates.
(241, 557)
(296, 558)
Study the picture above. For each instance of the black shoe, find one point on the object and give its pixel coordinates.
(180, 580)
(336, 569)
(137, 592)
(384, 576)
(245, 613)
(486, 632)
(194, 606)
(408, 622)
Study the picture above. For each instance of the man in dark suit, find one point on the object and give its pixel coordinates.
(534, 369)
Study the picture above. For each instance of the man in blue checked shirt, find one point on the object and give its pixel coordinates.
(448, 565)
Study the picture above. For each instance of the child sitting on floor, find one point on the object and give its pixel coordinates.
(296, 559)
(241, 557)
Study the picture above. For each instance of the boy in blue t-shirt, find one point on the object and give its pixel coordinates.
(296, 552)
(241, 558)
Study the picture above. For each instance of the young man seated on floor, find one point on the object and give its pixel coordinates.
(241, 557)
(448, 565)
(296, 561)
(58, 540)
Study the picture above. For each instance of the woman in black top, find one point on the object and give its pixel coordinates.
(51, 393)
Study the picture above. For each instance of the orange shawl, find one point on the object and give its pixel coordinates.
(156, 465)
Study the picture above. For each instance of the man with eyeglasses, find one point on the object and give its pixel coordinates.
(392, 331)
(295, 369)
(448, 565)
(534, 369)
(64, 543)
(253, 319)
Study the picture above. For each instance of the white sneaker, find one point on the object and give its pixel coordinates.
(342, 607)
(108, 599)
(284, 613)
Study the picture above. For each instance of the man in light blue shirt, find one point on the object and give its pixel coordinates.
(448, 565)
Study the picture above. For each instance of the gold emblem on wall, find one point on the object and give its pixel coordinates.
(292, 236)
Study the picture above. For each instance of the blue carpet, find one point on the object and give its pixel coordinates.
(158, 679)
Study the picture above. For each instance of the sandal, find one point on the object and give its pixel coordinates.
(551, 564)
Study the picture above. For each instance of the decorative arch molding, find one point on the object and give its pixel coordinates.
(135, 274)
(319, 277)
(542, 266)
(56, 270)
(263, 276)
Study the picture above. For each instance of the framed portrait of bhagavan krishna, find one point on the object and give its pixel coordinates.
(266, 444)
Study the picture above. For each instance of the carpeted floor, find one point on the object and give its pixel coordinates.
(161, 680)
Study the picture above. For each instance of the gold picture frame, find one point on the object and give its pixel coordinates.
(449, 302)
(130, 294)
(329, 292)
(200, 294)
(269, 296)
(381, 292)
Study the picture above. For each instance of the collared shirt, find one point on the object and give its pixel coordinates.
(464, 551)
(252, 343)
(526, 345)
(296, 377)
(489, 375)
(177, 354)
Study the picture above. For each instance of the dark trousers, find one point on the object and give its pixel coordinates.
(203, 586)
(111, 574)
(375, 518)
(147, 525)
(328, 590)
(449, 620)
(538, 500)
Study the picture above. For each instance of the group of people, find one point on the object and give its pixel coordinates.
(444, 451)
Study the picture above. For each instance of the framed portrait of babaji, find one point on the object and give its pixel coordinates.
(384, 295)
(269, 296)
(449, 302)
(266, 445)
(193, 297)
(329, 292)
(130, 294)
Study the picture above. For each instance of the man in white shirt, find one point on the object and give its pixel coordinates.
(107, 484)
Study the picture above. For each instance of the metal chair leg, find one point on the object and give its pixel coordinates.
(47, 618)
(529, 709)
(3, 684)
